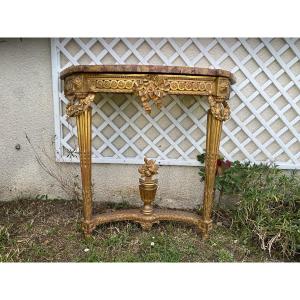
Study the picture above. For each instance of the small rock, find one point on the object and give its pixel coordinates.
(86, 250)
(152, 244)
(235, 241)
(219, 223)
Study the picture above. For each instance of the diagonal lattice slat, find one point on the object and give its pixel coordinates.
(265, 101)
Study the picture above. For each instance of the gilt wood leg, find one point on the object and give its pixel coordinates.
(84, 139)
(214, 128)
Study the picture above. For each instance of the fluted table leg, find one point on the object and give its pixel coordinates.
(84, 139)
(214, 128)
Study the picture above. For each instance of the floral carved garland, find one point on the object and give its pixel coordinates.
(73, 110)
(220, 110)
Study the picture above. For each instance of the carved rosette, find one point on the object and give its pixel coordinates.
(219, 108)
(75, 109)
(224, 86)
(73, 84)
(151, 88)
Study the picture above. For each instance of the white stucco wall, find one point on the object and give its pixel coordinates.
(27, 107)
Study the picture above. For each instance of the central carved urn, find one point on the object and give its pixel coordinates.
(148, 185)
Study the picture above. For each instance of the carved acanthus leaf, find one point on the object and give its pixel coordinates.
(74, 110)
(220, 110)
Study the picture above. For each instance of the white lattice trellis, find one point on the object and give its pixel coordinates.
(265, 101)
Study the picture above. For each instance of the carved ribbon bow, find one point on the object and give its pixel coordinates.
(153, 88)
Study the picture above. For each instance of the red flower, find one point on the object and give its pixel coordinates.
(219, 162)
(228, 164)
(222, 165)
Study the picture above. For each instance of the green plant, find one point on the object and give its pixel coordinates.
(4, 235)
(221, 166)
(268, 207)
(41, 197)
(225, 256)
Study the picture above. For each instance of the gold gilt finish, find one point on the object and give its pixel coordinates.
(148, 186)
(84, 126)
(149, 87)
(152, 88)
(146, 221)
(81, 83)
(75, 109)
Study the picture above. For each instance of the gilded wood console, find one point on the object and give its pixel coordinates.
(81, 83)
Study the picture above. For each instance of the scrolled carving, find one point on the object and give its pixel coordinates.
(151, 88)
(73, 110)
(219, 109)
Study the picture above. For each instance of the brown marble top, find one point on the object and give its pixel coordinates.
(146, 69)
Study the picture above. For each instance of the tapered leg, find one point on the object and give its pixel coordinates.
(84, 139)
(214, 128)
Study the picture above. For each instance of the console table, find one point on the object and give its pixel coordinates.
(81, 83)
